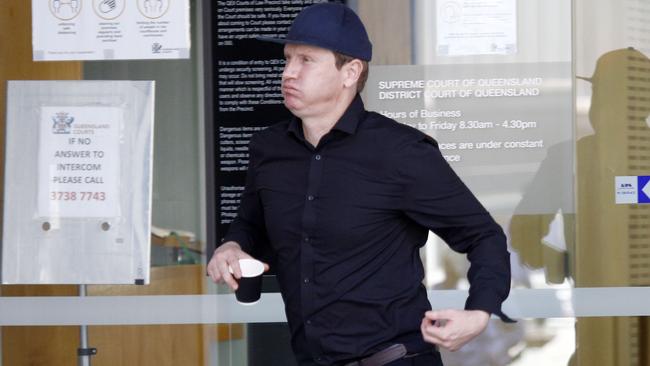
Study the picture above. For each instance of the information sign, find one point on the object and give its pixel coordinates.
(78, 161)
(110, 29)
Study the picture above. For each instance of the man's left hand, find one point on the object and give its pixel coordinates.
(452, 329)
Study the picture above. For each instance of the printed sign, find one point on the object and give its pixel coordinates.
(79, 162)
(521, 149)
(110, 29)
(632, 189)
(476, 27)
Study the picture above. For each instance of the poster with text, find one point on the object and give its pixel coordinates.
(79, 162)
(476, 27)
(246, 87)
(500, 126)
(110, 29)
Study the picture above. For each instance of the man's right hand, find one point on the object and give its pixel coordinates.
(227, 256)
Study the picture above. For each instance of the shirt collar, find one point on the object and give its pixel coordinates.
(348, 122)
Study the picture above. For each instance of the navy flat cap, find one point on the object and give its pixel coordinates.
(331, 26)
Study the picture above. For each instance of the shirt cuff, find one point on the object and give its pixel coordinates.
(489, 302)
(242, 239)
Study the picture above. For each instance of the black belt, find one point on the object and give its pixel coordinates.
(383, 357)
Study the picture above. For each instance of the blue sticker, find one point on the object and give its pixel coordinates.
(644, 188)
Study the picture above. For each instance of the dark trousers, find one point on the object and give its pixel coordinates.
(428, 359)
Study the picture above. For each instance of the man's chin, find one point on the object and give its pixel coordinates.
(292, 107)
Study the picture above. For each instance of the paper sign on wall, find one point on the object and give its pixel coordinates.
(476, 27)
(110, 29)
(632, 189)
(79, 161)
(77, 188)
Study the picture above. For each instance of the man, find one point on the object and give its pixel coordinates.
(346, 197)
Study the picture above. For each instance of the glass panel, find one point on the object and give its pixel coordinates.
(177, 258)
(612, 341)
(554, 244)
(612, 246)
(116, 345)
(530, 342)
(176, 197)
(603, 244)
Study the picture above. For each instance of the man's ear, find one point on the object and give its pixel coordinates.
(351, 72)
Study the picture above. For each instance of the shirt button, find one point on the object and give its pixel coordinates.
(317, 157)
(306, 280)
(308, 322)
(306, 238)
(311, 198)
(319, 359)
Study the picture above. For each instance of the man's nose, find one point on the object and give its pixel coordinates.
(290, 70)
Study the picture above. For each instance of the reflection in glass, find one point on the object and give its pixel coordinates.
(604, 243)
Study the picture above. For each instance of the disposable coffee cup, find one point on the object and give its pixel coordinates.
(250, 283)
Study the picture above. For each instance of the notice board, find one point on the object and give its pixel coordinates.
(78, 182)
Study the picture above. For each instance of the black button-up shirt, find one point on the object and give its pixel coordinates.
(346, 220)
